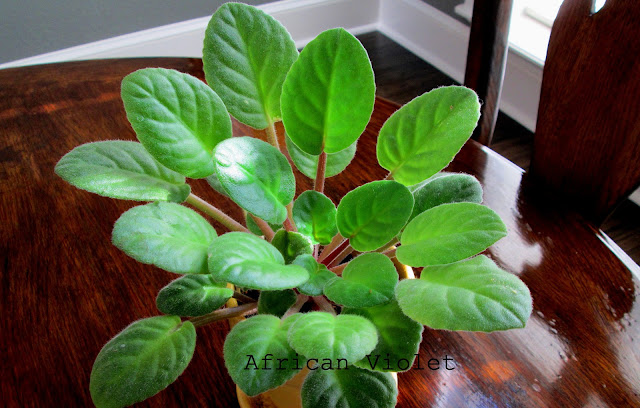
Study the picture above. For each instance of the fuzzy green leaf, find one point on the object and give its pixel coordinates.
(213, 181)
(276, 302)
(472, 295)
(398, 338)
(328, 95)
(315, 216)
(368, 280)
(249, 343)
(120, 169)
(141, 361)
(445, 188)
(345, 337)
(372, 214)
(319, 275)
(291, 245)
(167, 235)
(256, 176)
(352, 388)
(192, 295)
(308, 163)
(246, 56)
(448, 233)
(177, 118)
(423, 136)
(249, 261)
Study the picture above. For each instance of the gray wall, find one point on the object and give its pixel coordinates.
(32, 27)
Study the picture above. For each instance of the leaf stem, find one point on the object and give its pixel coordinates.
(404, 271)
(389, 176)
(243, 298)
(215, 213)
(264, 227)
(300, 301)
(223, 314)
(289, 225)
(335, 242)
(391, 252)
(324, 304)
(343, 254)
(272, 136)
(320, 172)
(388, 245)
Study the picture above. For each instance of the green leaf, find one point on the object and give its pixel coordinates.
(445, 188)
(177, 118)
(141, 360)
(352, 388)
(276, 302)
(291, 245)
(246, 56)
(372, 214)
(192, 295)
(256, 176)
(315, 216)
(308, 163)
(423, 136)
(253, 227)
(344, 337)
(120, 169)
(249, 343)
(167, 235)
(448, 233)
(472, 295)
(213, 181)
(368, 280)
(328, 95)
(398, 338)
(250, 262)
(319, 275)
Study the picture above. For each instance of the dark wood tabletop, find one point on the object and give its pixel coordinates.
(66, 290)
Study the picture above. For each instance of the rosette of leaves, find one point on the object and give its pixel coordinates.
(291, 253)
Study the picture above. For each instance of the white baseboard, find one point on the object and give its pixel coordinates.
(442, 41)
(303, 18)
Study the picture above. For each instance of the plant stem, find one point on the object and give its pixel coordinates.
(215, 213)
(264, 227)
(320, 173)
(388, 245)
(272, 136)
(404, 271)
(391, 252)
(323, 304)
(389, 176)
(338, 269)
(331, 257)
(343, 254)
(300, 301)
(224, 314)
(335, 242)
(289, 225)
(243, 298)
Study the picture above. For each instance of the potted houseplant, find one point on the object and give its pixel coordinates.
(325, 288)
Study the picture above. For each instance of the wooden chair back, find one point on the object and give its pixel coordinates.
(587, 140)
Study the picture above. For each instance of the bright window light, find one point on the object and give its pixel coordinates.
(531, 22)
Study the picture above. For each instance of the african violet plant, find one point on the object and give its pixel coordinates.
(417, 216)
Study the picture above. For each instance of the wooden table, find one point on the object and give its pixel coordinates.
(66, 289)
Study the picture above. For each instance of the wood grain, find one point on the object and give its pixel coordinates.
(587, 142)
(66, 289)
